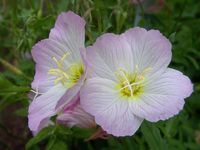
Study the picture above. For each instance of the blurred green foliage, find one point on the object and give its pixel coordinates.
(24, 22)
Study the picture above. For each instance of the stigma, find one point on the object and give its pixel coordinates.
(131, 85)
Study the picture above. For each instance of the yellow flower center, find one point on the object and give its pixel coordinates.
(68, 76)
(131, 85)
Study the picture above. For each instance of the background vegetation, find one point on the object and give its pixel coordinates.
(24, 22)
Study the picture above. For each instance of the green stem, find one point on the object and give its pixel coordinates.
(139, 14)
(12, 68)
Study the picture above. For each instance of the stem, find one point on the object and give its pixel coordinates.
(11, 67)
(139, 13)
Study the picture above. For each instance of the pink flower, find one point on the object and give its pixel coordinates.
(59, 70)
(129, 81)
(74, 115)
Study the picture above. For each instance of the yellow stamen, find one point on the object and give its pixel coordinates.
(67, 76)
(131, 84)
(60, 71)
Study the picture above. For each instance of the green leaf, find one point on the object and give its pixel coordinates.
(63, 130)
(4, 83)
(172, 37)
(153, 137)
(194, 62)
(58, 145)
(23, 112)
(6, 101)
(43, 134)
(194, 146)
(51, 143)
(8, 87)
(82, 133)
(175, 144)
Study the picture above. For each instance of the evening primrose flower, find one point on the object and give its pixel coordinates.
(129, 80)
(74, 115)
(59, 70)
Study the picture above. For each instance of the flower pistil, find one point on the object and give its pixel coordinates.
(131, 85)
(67, 76)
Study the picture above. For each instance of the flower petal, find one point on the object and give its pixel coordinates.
(172, 82)
(103, 93)
(149, 48)
(70, 94)
(43, 107)
(118, 123)
(109, 53)
(163, 97)
(69, 30)
(43, 53)
(99, 98)
(44, 123)
(76, 116)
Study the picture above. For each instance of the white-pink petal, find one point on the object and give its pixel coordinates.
(150, 49)
(43, 107)
(112, 113)
(163, 97)
(108, 54)
(69, 30)
(74, 115)
(43, 53)
(70, 94)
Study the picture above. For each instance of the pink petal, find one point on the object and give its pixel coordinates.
(109, 53)
(42, 53)
(74, 115)
(69, 30)
(163, 97)
(112, 113)
(70, 94)
(44, 123)
(118, 122)
(43, 107)
(149, 49)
